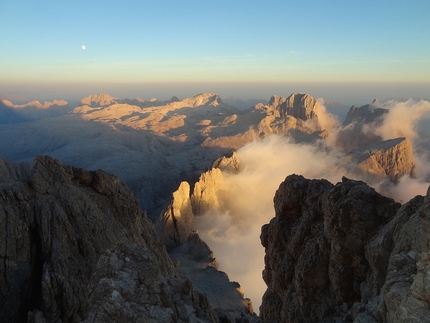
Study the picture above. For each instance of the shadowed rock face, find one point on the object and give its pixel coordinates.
(353, 134)
(367, 113)
(75, 246)
(345, 252)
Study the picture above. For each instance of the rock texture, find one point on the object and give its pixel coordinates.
(197, 262)
(154, 145)
(177, 222)
(176, 229)
(357, 127)
(98, 100)
(387, 159)
(367, 113)
(75, 246)
(344, 253)
(228, 163)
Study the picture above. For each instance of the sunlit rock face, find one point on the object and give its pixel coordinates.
(98, 100)
(228, 163)
(76, 247)
(154, 145)
(386, 159)
(176, 224)
(345, 252)
(175, 227)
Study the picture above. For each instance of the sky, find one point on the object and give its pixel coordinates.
(134, 47)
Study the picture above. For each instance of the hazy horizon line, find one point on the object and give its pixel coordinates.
(343, 92)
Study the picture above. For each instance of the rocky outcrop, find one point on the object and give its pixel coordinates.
(75, 246)
(300, 106)
(98, 100)
(228, 163)
(197, 262)
(14, 171)
(177, 222)
(358, 127)
(387, 159)
(397, 288)
(206, 192)
(345, 253)
(295, 116)
(195, 259)
(367, 113)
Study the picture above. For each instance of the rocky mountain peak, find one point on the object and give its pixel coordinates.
(98, 100)
(276, 100)
(344, 253)
(390, 158)
(203, 99)
(367, 113)
(300, 106)
(76, 247)
(228, 162)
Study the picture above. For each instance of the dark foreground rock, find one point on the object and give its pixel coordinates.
(74, 246)
(345, 253)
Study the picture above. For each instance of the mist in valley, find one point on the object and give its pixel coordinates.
(246, 198)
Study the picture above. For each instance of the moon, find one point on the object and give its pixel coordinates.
(83, 47)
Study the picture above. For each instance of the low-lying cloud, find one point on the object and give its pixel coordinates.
(402, 119)
(247, 201)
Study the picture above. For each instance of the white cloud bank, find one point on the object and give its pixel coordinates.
(233, 232)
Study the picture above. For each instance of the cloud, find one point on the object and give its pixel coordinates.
(402, 119)
(233, 231)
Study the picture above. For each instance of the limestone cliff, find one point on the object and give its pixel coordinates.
(356, 131)
(296, 115)
(206, 191)
(177, 222)
(229, 162)
(195, 259)
(98, 100)
(367, 113)
(75, 246)
(300, 106)
(345, 253)
(391, 158)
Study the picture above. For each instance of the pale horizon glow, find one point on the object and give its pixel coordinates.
(306, 42)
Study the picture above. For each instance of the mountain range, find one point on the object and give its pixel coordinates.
(178, 158)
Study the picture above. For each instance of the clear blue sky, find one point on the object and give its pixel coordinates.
(213, 41)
